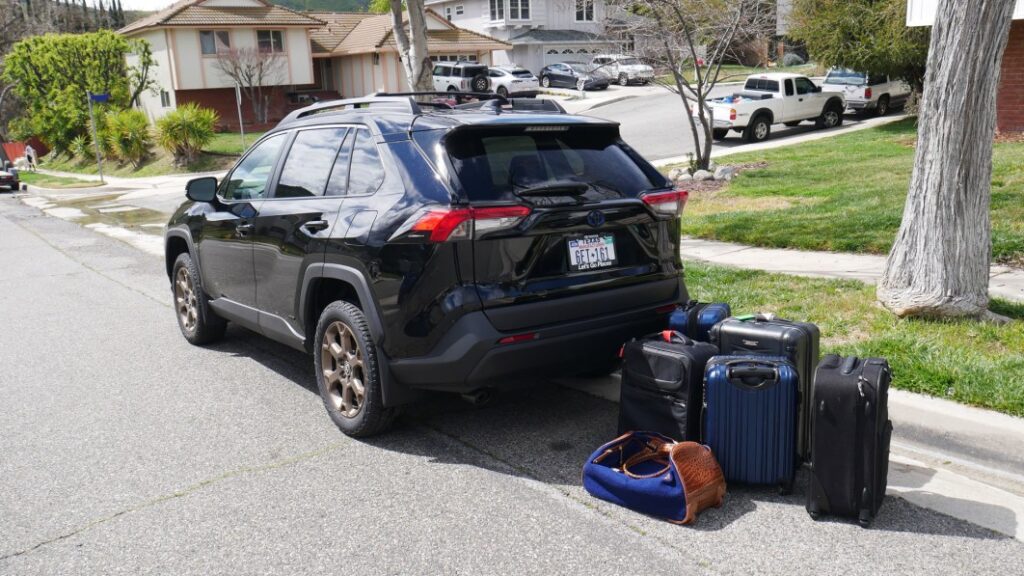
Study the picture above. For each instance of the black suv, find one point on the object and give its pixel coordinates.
(414, 247)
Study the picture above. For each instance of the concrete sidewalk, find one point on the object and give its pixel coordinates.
(1005, 282)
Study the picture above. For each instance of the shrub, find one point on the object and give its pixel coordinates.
(81, 147)
(792, 59)
(185, 131)
(128, 136)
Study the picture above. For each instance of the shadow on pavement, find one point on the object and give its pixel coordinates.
(545, 432)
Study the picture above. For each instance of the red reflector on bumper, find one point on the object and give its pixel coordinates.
(518, 338)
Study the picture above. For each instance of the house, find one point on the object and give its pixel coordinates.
(355, 53)
(1010, 101)
(541, 32)
(190, 37)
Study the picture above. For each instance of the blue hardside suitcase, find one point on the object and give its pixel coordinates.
(695, 319)
(750, 418)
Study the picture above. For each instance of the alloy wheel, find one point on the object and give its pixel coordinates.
(761, 130)
(883, 107)
(343, 369)
(185, 300)
(831, 119)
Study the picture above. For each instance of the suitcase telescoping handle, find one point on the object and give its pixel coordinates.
(746, 371)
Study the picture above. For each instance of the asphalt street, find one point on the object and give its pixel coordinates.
(656, 125)
(123, 450)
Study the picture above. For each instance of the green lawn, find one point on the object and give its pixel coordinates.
(844, 194)
(231, 143)
(966, 361)
(47, 181)
(158, 164)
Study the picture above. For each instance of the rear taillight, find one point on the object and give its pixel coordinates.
(442, 225)
(867, 92)
(732, 113)
(667, 203)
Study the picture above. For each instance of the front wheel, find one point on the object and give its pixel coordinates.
(545, 81)
(623, 80)
(198, 324)
(347, 375)
(831, 117)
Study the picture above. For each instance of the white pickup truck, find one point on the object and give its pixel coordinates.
(775, 98)
(866, 93)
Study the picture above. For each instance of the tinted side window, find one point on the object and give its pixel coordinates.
(367, 172)
(309, 162)
(248, 180)
(876, 80)
(338, 184)
(804, 86)
(789, 87)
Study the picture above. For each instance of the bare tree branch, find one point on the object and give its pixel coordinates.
(256, 72)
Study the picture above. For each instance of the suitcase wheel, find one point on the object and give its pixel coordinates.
(815, 515)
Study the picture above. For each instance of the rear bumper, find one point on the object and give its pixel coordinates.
(860, 104)
(469, 356)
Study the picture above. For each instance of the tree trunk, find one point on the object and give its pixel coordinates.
(412, 47)
(939, 264)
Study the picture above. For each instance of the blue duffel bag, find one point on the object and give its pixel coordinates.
(654, 475)
(695, 319)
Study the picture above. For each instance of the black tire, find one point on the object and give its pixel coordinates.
(198, 323)
(370, 417)
(882, 108)
(453, 89)
(831, 116)
(502, 91)
(719, 133)
(623, 79)
(480, 83)
(759, 129)
(792, 124)
(545, 81)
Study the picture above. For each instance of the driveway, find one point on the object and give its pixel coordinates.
(123, 450)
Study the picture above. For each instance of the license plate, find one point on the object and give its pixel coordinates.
(591, 252)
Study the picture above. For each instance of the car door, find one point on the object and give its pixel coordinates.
(565, 76)
(225, 239)
(291, 229)
(440, 77)
(809, 102)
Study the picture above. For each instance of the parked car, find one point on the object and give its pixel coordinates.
(575, 75)
(414, 248)
(864, 92)
(623, 69)
(9, 179)
(513, 81)
(775, 98)
(461, 77)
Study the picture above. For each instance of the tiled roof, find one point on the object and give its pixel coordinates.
(338, 25)
(193, 13)
(375, 32)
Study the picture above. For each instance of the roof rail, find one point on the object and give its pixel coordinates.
(407, 104)
(457, 96)
(515, 105)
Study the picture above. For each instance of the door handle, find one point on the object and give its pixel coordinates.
(314, 226)
(243, 229)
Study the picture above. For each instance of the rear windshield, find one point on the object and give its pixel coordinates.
(762, 85)
(522, 73)
(494, 164)
(629, 62)
(845, 78)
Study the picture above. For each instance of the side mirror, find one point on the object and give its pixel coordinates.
(201, 189)
(817, 89)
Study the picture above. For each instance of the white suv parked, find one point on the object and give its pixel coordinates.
(623, 69)
(461, 77)
(512, 81)
(867, 92)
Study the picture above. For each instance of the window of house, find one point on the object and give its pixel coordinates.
(519, 9)
(270, 41)
(376, 58)
(214, 42)
(458, 10)
(165, 99)
(448, 13)
(497, 9)
(584, 10)
(309, 162)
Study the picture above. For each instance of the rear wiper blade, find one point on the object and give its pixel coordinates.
(555, 189)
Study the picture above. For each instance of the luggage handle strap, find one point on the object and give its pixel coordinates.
(662, 455)
(671, 336)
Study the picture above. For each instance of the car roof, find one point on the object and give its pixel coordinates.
(776, 75)
(395, 118)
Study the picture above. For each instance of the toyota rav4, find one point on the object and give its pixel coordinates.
(416, 247)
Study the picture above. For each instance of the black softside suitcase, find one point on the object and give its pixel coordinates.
(662, 378)
(850, 435)
(765, 335)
